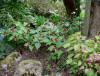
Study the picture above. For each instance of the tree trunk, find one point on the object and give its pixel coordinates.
(92, 19)
(72, 7)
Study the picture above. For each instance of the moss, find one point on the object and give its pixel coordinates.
(29, 68)
(10, 59)
(25, 62)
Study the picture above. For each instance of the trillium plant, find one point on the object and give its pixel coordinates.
(35, 37)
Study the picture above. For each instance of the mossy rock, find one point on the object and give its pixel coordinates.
(57, 74)
(11, 59)
(29, 68)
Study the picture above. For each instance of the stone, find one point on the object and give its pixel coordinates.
(29, 68)
(58, 74)
(14, 57)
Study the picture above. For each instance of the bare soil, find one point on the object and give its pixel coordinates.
(41, 55)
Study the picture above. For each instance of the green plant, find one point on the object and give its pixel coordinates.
(39, 20)
(49, 67)
(14, 10)
(83, 55)
(72, 26)
(54, 18)
(5, 49)
(40, 7)
(52, 35)
(23, 33)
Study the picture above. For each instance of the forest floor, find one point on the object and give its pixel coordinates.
(41, 55)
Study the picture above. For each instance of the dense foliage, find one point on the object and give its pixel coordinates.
(23, 22)
(83, 55)
(14, 10)
(42, 32)
(5, 51)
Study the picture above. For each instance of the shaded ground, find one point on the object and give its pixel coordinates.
(42, 56)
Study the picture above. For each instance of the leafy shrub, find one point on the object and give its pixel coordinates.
(5, 49)
(14, 10)
(59, 9)
(73, 26)
(40, 6)
(83, 55)
(44, 32)
(39, 20)
(23, 33)
(54, 18)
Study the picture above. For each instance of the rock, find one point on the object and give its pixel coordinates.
(29, 68)
(58, 74)
(10, 59)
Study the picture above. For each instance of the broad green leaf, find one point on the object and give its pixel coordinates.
(58, 52)
(31, 47)
(11, 38)
(90, 73)
(50, 48)
(97, 37)
(45, 40)
(49, 42)
(37, 45)
(70, 48)
(69, 61)
(82, 67)
(26, 44)
(59, 44)
(71, 55)
(77, 56)
(79, 63)
(66, 45)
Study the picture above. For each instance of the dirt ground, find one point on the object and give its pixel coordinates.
(41, 55)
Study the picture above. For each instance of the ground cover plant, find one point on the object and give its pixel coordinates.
(83, 55)
(66, 46)
(14, 10)
(42, 31)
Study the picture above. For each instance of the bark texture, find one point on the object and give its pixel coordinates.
(70, 6)
(92, 20)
